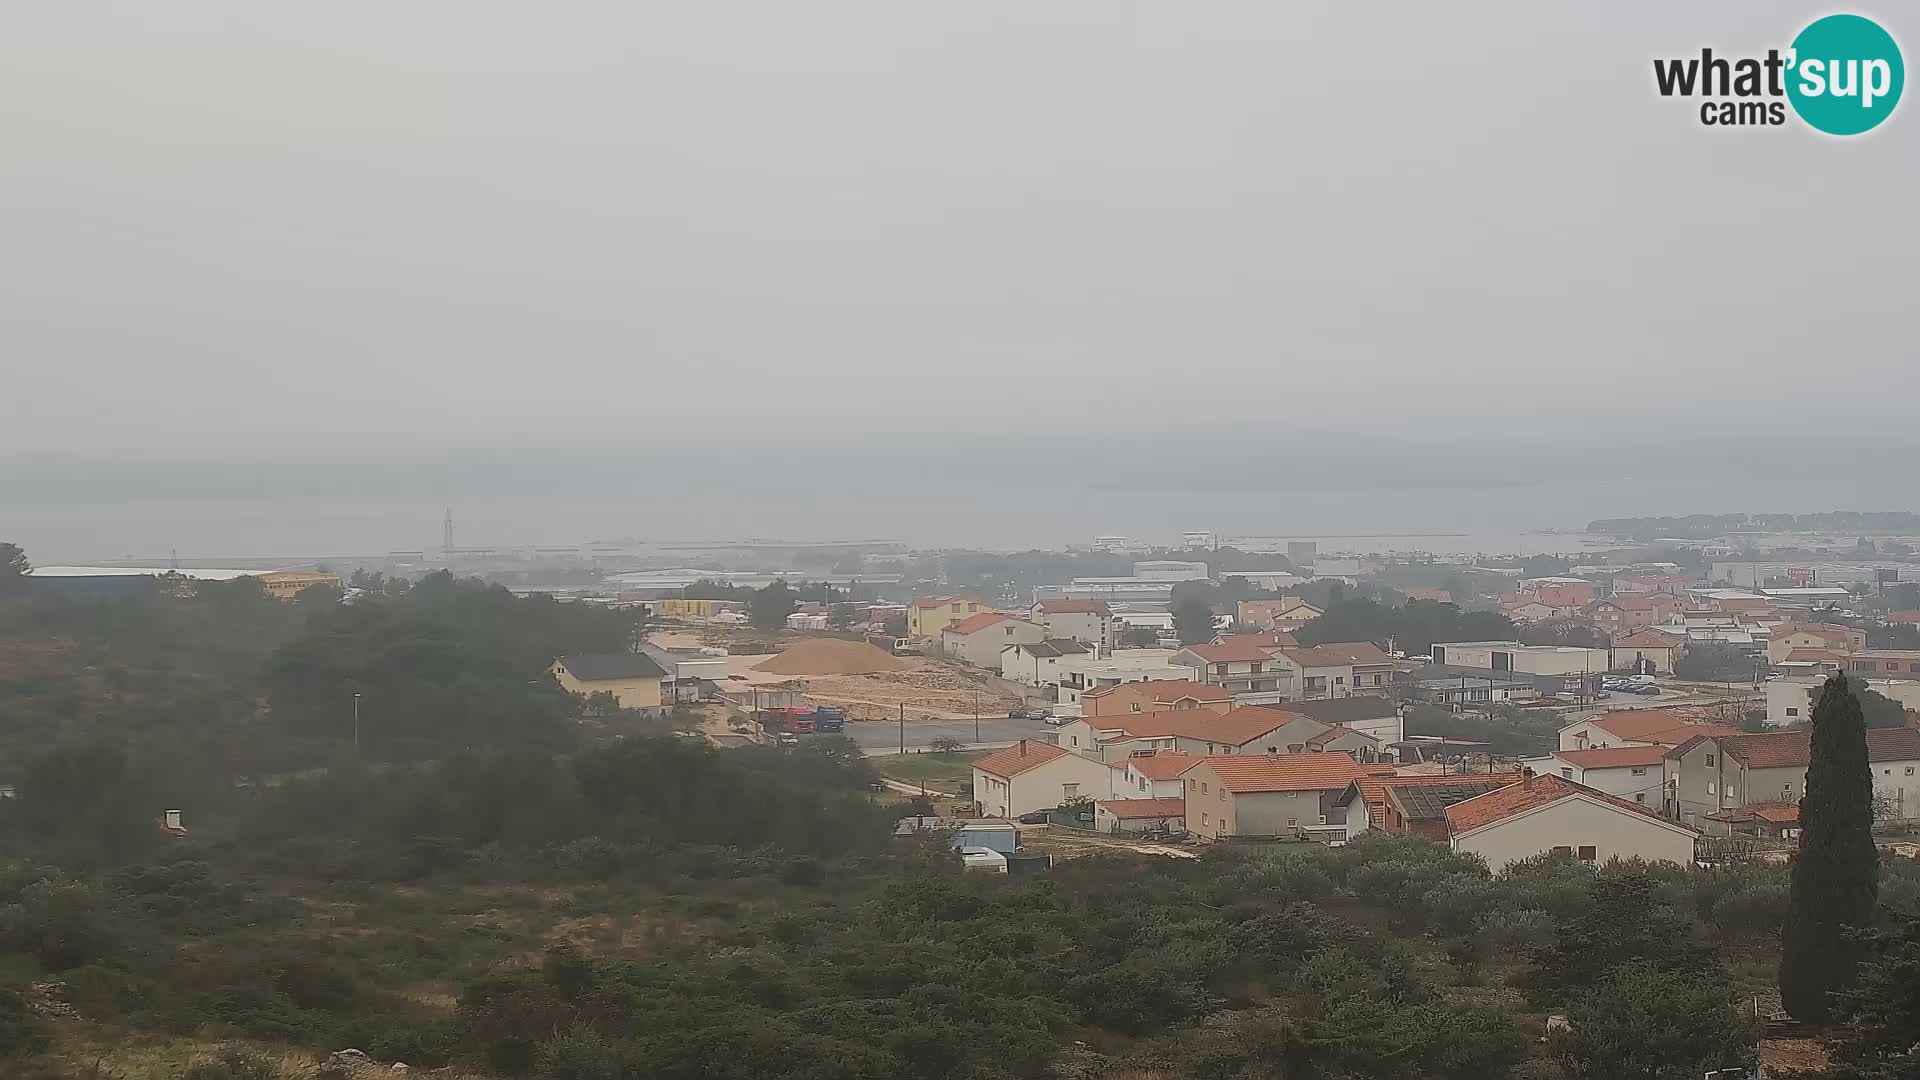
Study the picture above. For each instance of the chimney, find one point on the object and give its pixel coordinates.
(173, 819)
(1023, 748)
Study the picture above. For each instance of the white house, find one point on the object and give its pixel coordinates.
(1152, 774)
(1079, 674)
(1634, 773)
(978, 639)
(1634, 727)
(1254, 671)
(1553, 814)
(1089, 622)
(1037, 663)
(1029, 776)
(1249, 729)
(1369, 713)
(1337, 669)
(1526, 659)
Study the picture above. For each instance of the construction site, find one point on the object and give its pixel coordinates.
(866, 682)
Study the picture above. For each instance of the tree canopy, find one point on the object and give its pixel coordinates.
(1836, 876)
(1412, 627)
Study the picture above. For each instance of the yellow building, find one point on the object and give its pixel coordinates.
(676, 608)
(287, 584)
(929, 615)
(632, 678)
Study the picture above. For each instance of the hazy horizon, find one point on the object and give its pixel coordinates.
(999, 274)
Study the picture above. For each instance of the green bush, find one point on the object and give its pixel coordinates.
(428, 1043)
(233, 1063)
(1515, 932)
(21, 1032)
(578, 1053)
(1644, 1023)
(61, 924)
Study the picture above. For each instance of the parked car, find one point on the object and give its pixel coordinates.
(1035, 817)
(1059, 721)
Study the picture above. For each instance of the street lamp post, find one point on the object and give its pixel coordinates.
(976, 716)
(356, 724)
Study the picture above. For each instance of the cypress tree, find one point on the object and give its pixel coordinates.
(1836, 876)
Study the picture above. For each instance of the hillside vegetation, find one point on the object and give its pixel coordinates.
(488, 892)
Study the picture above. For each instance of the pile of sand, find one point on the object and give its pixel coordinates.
(831, 656)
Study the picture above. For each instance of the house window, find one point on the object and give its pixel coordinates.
(1562, 849)
(1136, 706)
(1223, 794)
(1339, 680)
(1203, 819)
(1069, 790)
(1640, 796)
(1291, 822)
(1710, 789)
(1191, 784)
(1709, 761)
(1205, 790)
(1909, 770)
(1636, 772)
(1793, 712)
(1568, 773)
(1588, 854)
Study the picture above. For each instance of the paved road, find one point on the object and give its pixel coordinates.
(883, 737)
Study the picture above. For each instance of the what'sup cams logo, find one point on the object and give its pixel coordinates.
(1842, 75)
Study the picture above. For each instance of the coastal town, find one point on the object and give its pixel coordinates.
(1644, 699)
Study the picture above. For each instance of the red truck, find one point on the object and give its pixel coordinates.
(795, 721)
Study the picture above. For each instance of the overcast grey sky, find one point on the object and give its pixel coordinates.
(256, 232)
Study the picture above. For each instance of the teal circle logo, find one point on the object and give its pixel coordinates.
(1845, 75)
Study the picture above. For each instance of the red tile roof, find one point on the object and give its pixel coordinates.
(1530, 794)
(1793, 749)
(1073, 607)
(1654, 726)
(1161, 764)
(1283, 772)
(1011, 761)
(1903, 616)
(1780, 813)
(973, 624)
(1238, 649)
(1336, 732)
(1235, 728)
(943, 601)
(1339, 654)
(1813, 656)
(1614, 757)
(1644, 639)
(1373, 788)
(1144, 808)
(1438, 595)
(1632, 601)
(1161, 690)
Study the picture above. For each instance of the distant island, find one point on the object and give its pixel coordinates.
(1707, 526)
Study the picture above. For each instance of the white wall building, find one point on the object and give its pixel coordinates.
(1634, 773)
(1527, 659)
(1553, 814)
(1029, 776)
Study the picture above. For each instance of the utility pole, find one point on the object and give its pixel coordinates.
(903, 729)
(976, 717)
(356, 725)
